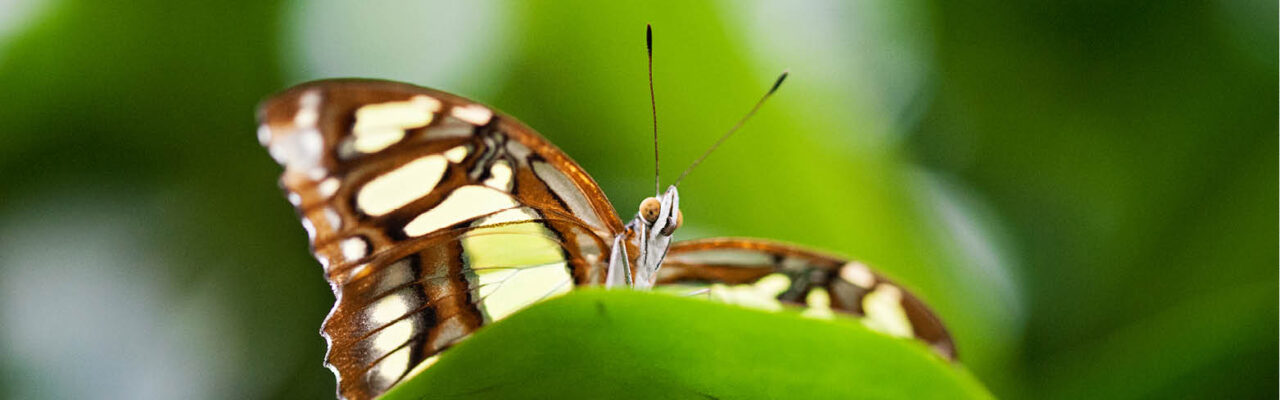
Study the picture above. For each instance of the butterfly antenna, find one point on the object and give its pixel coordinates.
(653, 108)
(735, 127)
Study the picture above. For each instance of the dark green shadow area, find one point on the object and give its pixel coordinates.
(633, 345)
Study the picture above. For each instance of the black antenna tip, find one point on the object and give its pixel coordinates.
(648, 37)
(781, 78)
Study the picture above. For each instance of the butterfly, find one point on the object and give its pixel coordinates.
(433, 215)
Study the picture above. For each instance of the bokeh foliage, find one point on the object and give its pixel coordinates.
(1084, 190)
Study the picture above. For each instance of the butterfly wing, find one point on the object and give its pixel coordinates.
(432, 216)
(762, 273)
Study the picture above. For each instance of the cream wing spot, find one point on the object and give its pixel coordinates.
(301, 149)
(392, 336)
(499, 176)
(463, 204)
(354, 248)
(328, 187)
(390, 369)
(474, 114)
(387, 309)
(763, 294)
(884, 313)
(310, 228)
(333, 220)
(308, 110)
(858, 274)
(819, 304)
(264, 134)
(381, 125)
(401, 186)
(456, 154)
(317, 173)
(773, 284)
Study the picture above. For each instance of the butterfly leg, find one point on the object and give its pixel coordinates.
(619, 273)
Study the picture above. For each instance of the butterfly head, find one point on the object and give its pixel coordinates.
(662, 215)
(652, 228)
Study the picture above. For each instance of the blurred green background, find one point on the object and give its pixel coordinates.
(1085, 190)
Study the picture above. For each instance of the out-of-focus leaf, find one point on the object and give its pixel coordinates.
(632, 345)
(1194, 337)
(1131, 147)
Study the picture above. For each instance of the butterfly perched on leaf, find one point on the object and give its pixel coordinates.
(433, 215)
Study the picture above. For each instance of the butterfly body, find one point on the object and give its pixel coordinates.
(433, 215)
(650, 233)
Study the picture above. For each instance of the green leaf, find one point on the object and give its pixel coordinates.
(624, 344)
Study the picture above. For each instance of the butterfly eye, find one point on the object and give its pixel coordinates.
(649, 209)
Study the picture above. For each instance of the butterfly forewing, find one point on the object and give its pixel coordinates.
(432, 216)
(766, 274)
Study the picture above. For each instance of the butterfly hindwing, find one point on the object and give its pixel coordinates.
(763, 273)
(432, 216)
